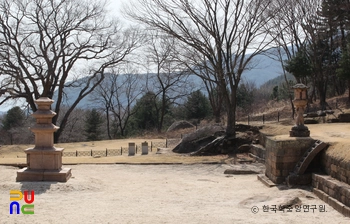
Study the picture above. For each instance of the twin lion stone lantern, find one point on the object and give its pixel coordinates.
(300, 102)
(44, 161)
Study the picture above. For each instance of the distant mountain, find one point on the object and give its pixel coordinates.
(262, 68)
(277, 81)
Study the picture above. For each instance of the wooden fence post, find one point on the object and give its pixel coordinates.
(263, 118)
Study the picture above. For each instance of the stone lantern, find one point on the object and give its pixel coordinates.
(44, 161)
(300, 102)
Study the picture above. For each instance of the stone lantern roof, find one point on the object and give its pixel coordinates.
(300, 86)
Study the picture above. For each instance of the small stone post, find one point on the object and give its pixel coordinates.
(144, 148)
(132, 148)
(300, 102)
(44, 161)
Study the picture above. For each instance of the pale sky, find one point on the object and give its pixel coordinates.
(116, 7)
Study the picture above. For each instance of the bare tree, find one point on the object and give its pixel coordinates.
(46, 43)
(226, 33)
(170, 81)
(118, 94)
(290, 36)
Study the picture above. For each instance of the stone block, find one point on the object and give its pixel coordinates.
(347, 173)
(346, 211)
(333, 168)
(343, 178)
(265, 180)
(347, 192)
(44, 159)
(275, 172)
(332, 193)
(144, 147)
(26, 174)
(132, 149)
(331, 184)
(325, 189)
(323, 196)
(317, 192)
(336, 204)
(61, 175)
(288, 159)
(343, 200)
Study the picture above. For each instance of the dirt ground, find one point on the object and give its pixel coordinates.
(161, 194)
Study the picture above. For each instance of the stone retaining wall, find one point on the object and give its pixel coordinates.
(336, 167)
(333, 192)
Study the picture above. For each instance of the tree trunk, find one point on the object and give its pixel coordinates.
(349, 89)
(108, 124)
(231, 113)
(162, 113)
(217, 115)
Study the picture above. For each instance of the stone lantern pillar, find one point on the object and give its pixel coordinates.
(300, 102)
(44, 161)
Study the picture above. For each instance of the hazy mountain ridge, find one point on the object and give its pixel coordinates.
(263, 68)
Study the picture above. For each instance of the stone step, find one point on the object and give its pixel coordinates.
(309, 155)
(265, 180)
(333, 192)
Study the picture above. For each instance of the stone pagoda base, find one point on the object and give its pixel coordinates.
(60, 175)
(44, 165)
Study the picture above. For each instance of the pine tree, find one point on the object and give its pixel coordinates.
(145, 113)
(197, 106)
(92, 125)
(13, 118)
(344, 66)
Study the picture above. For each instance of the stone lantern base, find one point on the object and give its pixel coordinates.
(299, 131)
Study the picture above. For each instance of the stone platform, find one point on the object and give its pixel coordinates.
(59, 175)
(282, 155)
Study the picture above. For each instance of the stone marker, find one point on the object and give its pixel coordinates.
(132, 149)
(44, 161)
(144, 148)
